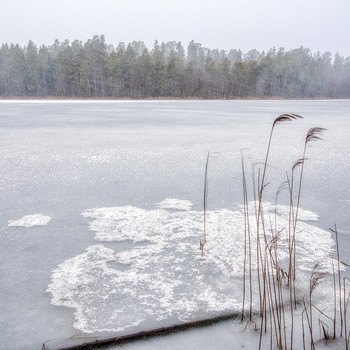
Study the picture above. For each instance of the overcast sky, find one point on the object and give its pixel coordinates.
(321, 25)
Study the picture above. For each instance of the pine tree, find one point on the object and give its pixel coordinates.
(32, 70)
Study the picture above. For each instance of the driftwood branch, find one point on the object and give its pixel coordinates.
(102, 343)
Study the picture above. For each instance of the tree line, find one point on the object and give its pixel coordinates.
(95, 69)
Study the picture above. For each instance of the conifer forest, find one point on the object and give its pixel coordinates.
(95, 69)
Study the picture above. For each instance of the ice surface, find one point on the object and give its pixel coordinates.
(31, 220)
(168, 277)
(67, 156)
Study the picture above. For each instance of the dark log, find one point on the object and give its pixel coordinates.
(102, 343)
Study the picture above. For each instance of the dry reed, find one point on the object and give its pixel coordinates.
(205, 199)
(276, 284)
(273, 281)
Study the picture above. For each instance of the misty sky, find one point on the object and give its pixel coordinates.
(322, 25)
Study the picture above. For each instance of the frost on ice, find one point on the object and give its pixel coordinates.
(31, 220)
(166, 277)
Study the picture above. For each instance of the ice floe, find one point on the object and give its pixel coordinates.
(167, 277)
(31, 220)
(172, 203)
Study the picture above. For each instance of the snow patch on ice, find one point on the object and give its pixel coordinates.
(168, 278)
(172, 203)
(86, 283)
(127, 223)
(31, 220)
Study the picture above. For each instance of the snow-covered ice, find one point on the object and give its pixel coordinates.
(31, 221)
(172, 203)
(167, 277)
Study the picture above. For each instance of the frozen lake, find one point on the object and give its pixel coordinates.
(102, 208)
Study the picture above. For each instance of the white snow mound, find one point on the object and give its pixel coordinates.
(31, 220)
(172, 203)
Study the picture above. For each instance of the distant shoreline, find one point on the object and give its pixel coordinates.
(54, 98)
